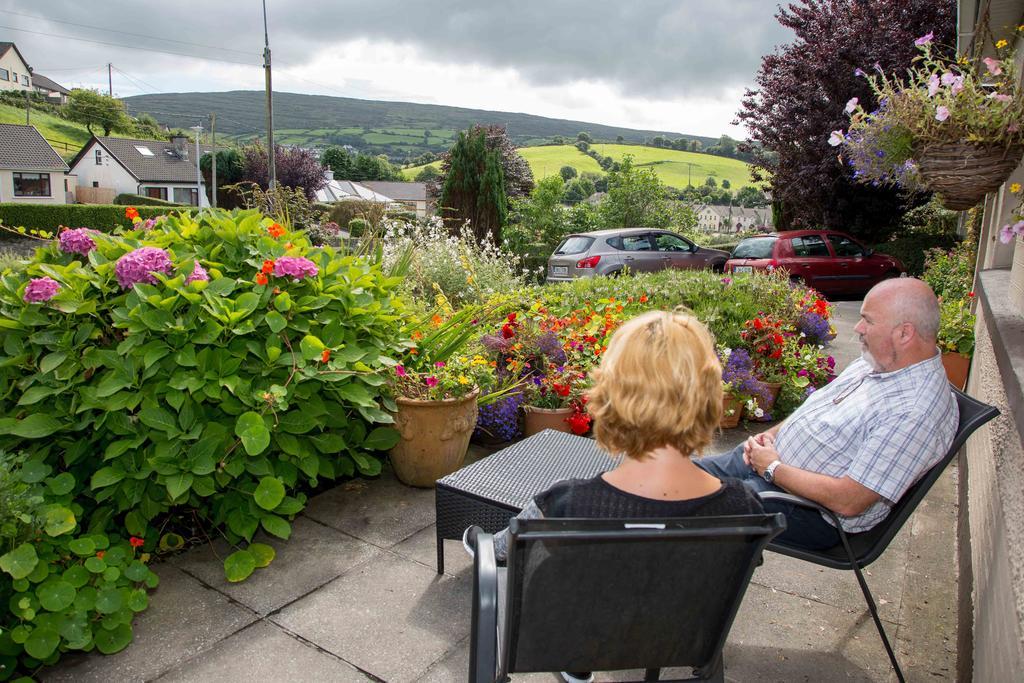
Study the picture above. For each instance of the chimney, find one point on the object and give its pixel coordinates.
(328, 174)
(180, 143)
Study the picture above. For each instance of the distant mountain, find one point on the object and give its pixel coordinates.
(398, 129)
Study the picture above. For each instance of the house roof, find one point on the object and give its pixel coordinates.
(41, 81)
(23, 148)
(5, 46)
(341, 190)
(738, 212)
(163, 165)
(400, 192)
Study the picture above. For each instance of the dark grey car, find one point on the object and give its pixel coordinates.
(641, 250)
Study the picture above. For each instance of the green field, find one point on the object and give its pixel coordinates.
(679, 169)
(65, 137)
(673, 167)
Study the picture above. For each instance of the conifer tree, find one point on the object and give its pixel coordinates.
(474, 187)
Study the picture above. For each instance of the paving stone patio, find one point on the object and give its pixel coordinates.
(354, 596)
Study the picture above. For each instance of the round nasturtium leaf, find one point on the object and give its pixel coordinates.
(276, 526)
(20, 562)
(95, 565)
(262, 553)
(62, 484)
(111, 574)
(253, 432)
(269, 493)
(138, 601)
(83, 546)
(136, 571)
(58, 520)
(19, 634)
(109, 642)
(34, 471)
(85, 601)
(238, 566)
(108, 600)
(56, 595)
(77, 575)
(42, 642)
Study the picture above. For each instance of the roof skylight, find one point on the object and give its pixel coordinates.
(144, 151)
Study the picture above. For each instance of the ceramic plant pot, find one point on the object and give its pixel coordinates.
(539, 419)
(435, 437)
(957, 366)
(765, 404)
(732, 409)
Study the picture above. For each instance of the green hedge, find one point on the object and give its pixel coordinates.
(141, 200)
(51, 216)
(910, 249)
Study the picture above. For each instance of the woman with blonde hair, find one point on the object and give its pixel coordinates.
(657, 400)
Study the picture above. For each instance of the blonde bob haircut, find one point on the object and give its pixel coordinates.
(659, 384)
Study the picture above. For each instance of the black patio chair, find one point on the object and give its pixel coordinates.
(857, 551)
(613, 594)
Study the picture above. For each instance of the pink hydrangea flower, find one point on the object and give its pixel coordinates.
(198, 274)
(41, 289)
(993, 66)
(295, 266)
(941, 113)
(139, 265)
(77, 241)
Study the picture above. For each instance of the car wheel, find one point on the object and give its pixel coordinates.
(718, 267)
(797, 280)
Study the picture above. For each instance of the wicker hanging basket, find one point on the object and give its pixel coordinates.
(963, 173)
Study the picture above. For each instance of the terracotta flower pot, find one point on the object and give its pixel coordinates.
(435, 436)
(765, 404)
(539, 419)
(732, 409)
(957, 366)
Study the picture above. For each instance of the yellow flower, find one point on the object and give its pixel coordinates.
(1015, 188)
(963, 60)
(1000, 44)
(463, 379)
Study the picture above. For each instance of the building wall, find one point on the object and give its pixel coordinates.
(13, 64)
(109, 174)
(57, 194)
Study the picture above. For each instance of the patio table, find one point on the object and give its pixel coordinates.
(493, 490)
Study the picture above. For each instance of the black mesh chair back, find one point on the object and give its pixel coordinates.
(586, 594)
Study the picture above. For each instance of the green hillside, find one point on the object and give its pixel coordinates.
(671, 166)
(679, 169)
(65, 137)
(377, 127)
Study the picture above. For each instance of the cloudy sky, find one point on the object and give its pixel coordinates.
(676, 65)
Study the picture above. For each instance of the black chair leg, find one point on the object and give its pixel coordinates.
(652, 675)
(440, 552)
(868, 598)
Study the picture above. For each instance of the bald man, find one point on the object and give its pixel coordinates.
(856, 445)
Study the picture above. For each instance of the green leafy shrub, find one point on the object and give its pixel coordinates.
(50, 217)
(950, 273)
(251, 365)
(126, 199)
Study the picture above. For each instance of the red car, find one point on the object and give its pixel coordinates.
(829, 261)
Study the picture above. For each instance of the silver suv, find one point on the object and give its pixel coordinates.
(641, 250)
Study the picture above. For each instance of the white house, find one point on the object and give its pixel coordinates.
(30, 171)
(153, 168)
(714, 218)
(15, 73)
(413, 196)
(54, 92)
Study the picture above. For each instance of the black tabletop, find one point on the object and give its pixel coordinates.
(514, 475)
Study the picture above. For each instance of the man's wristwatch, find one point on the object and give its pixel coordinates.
(769, 472)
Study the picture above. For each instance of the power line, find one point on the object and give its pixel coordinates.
(128, 47)
(118, 31)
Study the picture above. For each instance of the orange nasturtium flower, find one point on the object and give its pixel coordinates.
(131, 213)
(417, 335)
(275, 230)
(325, 356)
(268, 267)
(437, 320)
(261, 279)
(136, 542)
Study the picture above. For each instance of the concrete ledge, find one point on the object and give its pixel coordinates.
(1006, 329)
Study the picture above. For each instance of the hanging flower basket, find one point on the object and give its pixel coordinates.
(963, 173)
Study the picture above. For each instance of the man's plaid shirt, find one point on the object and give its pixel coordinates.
(883, 430)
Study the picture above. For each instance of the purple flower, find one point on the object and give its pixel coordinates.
(859, 72)
(551, 348)
(147, 224)
(941, 113)
(295, 266)
(815, 327)
(993, 66)
(836, 138)
(851, 105)
(40, 289)
(431, 381)
(933, 85)
(1000, 97)
(139, 265)
(1007, 232)
(809, 390)
(925, 39)
(726, 281)
(199, 274)
(500, 419)
(77, 241)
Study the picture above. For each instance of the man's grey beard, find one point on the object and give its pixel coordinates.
(871, 360)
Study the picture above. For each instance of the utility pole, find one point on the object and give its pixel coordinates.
(28, 107)
(199, 176)
(213, 158)
(110, 79)
(272, 169)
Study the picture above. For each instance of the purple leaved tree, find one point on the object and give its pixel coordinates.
(296, 167)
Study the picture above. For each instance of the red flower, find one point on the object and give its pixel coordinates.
(325, 356)
(507, 332)
(643, 298)
(777, 353)
(970, 294)
(579, 423)
(131, 213)
(758, 325)
(268, 267)
(136, 542)
(261, 279)
(778, 339)
(275, 230)
(101, 553)
(511, 317)
(560, 389)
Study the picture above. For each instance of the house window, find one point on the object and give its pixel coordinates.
(95, 183)
(5, 75)
(15, 79)
(99, 157)
(186, 195)
(156, 192)
(31, 184)
(24, 80)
